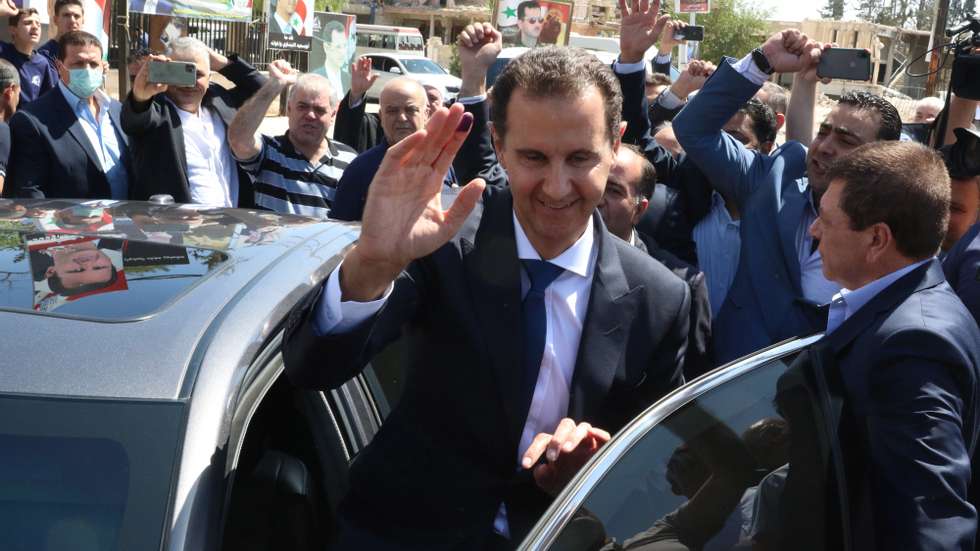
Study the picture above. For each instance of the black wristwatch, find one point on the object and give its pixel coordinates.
(762, 62)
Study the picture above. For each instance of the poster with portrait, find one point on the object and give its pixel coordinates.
(224, 10)
(531, 23)
(290, 24)
(66, 268)
(334, 43)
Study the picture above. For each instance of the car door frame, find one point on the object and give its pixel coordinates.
(563, 508)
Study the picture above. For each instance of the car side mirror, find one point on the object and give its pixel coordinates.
(395, 70)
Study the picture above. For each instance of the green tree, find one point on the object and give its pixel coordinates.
(733, 28)
(833, 10)
(335, 6)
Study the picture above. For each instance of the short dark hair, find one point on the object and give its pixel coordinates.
(526, 5)
(556, 72)
(901, 184)
(763, 120)
(54, 283)
(79, 39)
(658, 79)
(648, 174)
(777, 98)
(13, 20)
(62, 3)
(890, 127)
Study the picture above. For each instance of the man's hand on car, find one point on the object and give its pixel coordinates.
(566, 451)
(361, 78)
(403, 217)
(640, 27)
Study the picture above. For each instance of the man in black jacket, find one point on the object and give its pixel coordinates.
(178, 134)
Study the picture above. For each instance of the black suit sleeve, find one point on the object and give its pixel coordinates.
(476, 158)
(138, 118)
(663, 68)
(347, 127)
(660, 115)
(29, 167)
(328, 361)
(247, 80)
(638, 124)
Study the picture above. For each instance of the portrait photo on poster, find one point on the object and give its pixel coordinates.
(332, 52)
(290, 23)
(531, 23)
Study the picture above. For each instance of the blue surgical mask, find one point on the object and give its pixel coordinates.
(84, 82)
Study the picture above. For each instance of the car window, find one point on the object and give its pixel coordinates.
(424, 66)
(741, 466)
(377, 63)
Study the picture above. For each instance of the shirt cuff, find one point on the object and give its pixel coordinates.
(334, 317)
(470, 100)
(662, 59)
(669, 100)
(355, 104)
(748, 69)
(627, 68)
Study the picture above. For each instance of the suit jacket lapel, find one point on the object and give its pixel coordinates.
(789, 222)
(923, 277)
(494, 277)
(612, 305)
(76, 130)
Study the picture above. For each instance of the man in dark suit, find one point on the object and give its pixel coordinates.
(962, 261)
(69, 143)
(778, 286)
(179, 133)
(624, 202)
(507, 396)
(405, 106)
(902, 352)
(962, 269)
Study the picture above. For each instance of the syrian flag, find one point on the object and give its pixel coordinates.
(298, 19)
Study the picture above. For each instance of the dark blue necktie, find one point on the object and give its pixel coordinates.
(535, 321)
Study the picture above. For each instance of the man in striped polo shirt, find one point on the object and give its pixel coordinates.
(298, 171)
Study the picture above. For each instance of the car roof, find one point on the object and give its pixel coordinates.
(260, 265)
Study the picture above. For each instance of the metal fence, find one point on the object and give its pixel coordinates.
(248, 40)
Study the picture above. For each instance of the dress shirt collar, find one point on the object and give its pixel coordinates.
(576, 259)
(633, 237)
(847, 302)
(77, 103)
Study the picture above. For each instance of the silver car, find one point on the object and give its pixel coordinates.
(143, 404)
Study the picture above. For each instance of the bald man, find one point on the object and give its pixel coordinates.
(403, 111)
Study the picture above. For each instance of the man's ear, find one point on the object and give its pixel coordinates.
(780, 120)
(498, 144)
(622, 129)
(62, 70)
(882, 241)
(48, 272)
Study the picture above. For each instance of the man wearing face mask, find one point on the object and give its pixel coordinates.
(179, 132)
(69, 143)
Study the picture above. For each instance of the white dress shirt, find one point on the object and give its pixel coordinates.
(566, 302)
(103, 136)
(211, 170)
(846, 303)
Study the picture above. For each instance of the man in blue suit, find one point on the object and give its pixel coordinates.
(69, 143)
(901, 354)
(962, 262)
(779, 285)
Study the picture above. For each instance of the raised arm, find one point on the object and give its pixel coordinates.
(802, 104)
(479, 45)
(961, 113)
(246, 78)
(733, 170)
(243, 133)
(350, 112)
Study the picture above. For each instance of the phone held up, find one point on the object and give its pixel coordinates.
(845, 63)
(694, 33)
(176, 73)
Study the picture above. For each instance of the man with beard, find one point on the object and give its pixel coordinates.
(298, 171)
(779, 284)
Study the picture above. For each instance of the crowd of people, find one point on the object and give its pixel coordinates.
(582, 238)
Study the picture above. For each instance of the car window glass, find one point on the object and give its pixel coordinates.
(389, 42)
(377, 63)
(740, 467)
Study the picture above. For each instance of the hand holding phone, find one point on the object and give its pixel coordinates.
(845, 63)
(693, 33)
(176, 73)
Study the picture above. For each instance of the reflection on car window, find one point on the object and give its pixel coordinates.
(96, 277)
(740, 467)
(424, 66)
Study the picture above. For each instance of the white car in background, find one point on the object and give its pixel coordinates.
(422, 69)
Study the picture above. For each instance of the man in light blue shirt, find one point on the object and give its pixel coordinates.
(69, 143)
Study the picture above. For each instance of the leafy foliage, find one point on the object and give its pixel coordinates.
(733, 28)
